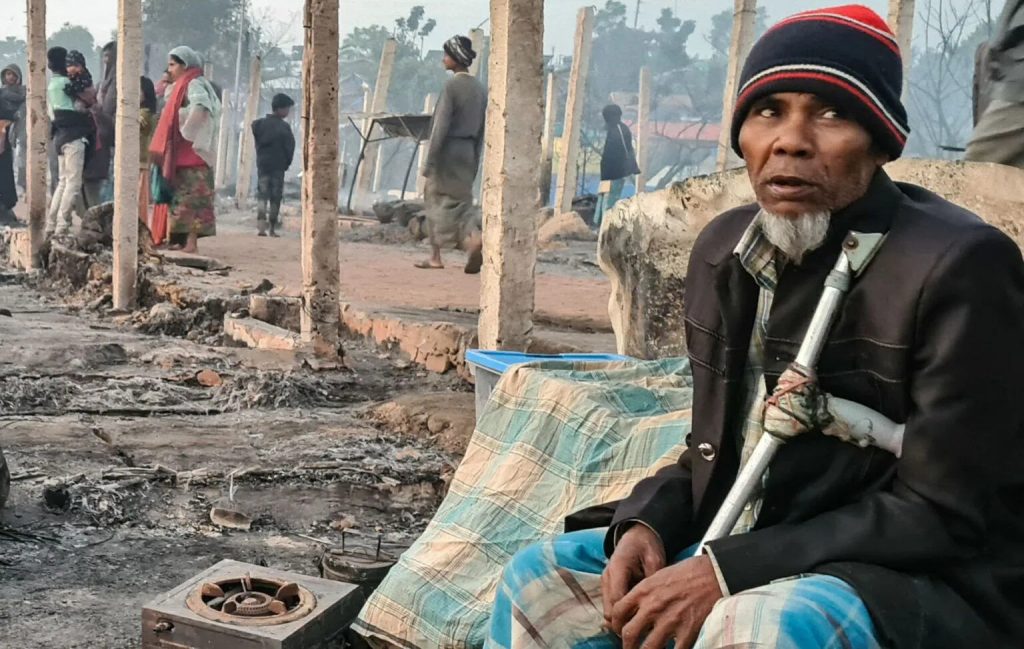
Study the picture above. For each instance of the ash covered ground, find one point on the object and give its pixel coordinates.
(122, 436)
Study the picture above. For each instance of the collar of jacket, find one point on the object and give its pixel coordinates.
(872, 212)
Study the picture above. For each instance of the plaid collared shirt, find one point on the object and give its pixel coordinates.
(758, 257)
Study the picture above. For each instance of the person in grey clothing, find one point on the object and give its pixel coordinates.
(453, 158)
(12, 126)
(999, 134)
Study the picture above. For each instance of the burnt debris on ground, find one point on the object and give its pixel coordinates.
(129, 435)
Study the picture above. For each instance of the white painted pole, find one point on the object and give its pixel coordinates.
(222, 141)
(548, 139)
(380, 105)
(901, 21)
(574, 105)
(247, 154)
(744, 15)
(643, 129)
(421, 163)
(477, 37)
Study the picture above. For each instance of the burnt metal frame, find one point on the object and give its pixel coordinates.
(368, 139)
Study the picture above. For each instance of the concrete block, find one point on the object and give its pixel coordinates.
(279, 310)
(645, 241)
(254, 334)
(20, 253)
(190, 260)
(70, 265)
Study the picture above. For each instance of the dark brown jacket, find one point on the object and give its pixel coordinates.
(931, 335)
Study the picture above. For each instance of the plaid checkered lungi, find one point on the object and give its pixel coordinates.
(550, 596)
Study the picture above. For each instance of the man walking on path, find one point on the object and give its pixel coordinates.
(275, 148)
(999, 133)
(453, 159)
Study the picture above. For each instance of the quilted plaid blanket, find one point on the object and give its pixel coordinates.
(555, 437)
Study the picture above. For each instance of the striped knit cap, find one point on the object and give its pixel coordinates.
(847, 55)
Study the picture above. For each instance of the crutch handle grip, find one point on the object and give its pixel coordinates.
(860, 425)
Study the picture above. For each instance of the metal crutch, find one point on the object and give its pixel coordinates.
(857, 252)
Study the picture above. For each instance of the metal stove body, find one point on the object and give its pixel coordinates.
(235, 605)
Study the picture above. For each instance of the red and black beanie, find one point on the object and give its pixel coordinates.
(845, 54)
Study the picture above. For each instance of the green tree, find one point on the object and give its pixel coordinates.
(610, 17)
(209, 27)
(414, 76)
(12, 50)
(76, 37)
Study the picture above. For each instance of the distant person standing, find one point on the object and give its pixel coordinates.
(999, 134)
(162, 84)
(184, 146)
(618, 160)
(96, 187)
(147, 124)
(275, 148)
(12, 122)
(453, 159)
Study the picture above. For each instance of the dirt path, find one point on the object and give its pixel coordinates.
(383, 275)
(132, 452)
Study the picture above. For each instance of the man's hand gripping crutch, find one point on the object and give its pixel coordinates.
(798, 405)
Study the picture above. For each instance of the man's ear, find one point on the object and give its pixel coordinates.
(880, 157)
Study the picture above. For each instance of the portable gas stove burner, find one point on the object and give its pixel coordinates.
(239, 605)
(251, 601)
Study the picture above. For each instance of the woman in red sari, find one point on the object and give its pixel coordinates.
(184, 148)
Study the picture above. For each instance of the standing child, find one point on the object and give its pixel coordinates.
(275, 147)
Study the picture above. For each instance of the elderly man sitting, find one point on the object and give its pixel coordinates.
(842, 546)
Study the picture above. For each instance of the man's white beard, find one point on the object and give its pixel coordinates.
(796, 236)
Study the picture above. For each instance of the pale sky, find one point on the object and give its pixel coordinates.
(100, 16)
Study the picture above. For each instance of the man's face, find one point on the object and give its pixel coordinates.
(804, 155)
(108, 57)
(448, 62)
(284, 112)
(10, 78)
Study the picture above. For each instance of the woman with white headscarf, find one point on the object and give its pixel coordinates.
(184, 148)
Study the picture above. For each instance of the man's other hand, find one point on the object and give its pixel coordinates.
(670, 605)
(638, 554)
